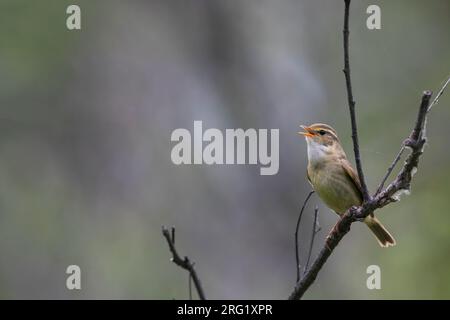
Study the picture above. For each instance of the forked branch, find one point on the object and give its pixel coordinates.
(183, 263)
(401, 184)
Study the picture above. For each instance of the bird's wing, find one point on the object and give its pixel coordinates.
(353, 177)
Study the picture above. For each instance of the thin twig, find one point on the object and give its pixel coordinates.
(183, 263)
(313, 236)
(390, 169)
(351, 104)
(297, 258)
(190, 286)
(400, 153)
(436, 99)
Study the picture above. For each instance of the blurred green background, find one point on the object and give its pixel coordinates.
(85, 122)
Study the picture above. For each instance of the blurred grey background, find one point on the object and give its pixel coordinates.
(86, 117)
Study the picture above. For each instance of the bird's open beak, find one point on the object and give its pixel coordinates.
(307, 133)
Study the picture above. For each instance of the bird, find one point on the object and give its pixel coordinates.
(333, 178)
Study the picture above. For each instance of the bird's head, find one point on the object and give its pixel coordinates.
(322, 141)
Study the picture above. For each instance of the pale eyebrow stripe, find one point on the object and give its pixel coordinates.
(327, 130)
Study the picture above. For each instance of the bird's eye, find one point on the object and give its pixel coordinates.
(322, 132)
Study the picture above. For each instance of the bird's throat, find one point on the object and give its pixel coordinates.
(317, 152)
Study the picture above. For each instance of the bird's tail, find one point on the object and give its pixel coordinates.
(385, 239)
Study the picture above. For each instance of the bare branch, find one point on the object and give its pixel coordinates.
(351, 104)
(391, 167)
(313, 236)
(401, 183)
(415, 142)
(317, 265)
(190, 286)
(436, 99)
(398, 157)
(183, 263)
(297, 258)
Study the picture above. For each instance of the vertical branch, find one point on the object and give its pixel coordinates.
(418, 131)
(313, 236)
(190, 286)
(297, 258)
(351, 104)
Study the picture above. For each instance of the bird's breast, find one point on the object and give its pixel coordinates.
(333, 186)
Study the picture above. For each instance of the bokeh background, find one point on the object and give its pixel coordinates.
(85, 122)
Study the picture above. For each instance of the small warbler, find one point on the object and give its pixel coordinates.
(333, 178)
